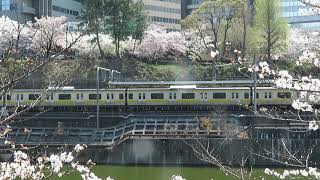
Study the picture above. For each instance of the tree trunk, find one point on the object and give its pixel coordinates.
(243, 50)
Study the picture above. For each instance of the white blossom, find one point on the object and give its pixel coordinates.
(214, 53)
(313, 125)
(177, 177)
(303, 106)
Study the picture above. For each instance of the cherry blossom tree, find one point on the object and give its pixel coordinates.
(158, 43)
(26, 49)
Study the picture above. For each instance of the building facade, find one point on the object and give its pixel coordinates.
(164, 12)
(189, 5)
(27, 10)
(291, 10)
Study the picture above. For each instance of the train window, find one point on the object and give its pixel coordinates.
(235, 95)
(219, 96)
(257, 95)
(157, 96)
(206, 95)
(94, 96)
(130, 96)
(284, 95)
(121, 96)
(51, 96)
(0, 98)
(108, 96)
(267, 95)
(139, 95)
(9, 97)
(187, 95)
(18, 95)
(174, 96)
(64, 96)
(170, 95)
(246, 95)
(34, 96)
(201, 95)
(112, 96)
(81, 95)
(78, 97)
(21, 97)
(144, 95)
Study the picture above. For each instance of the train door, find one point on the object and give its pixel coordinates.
(235, 98)
(204, 96)
(172, 97)
(141, 97)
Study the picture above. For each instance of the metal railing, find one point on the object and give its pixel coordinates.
(155, 129)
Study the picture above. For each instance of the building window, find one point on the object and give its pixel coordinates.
(64, 10)
(164, 20)
(5, 5)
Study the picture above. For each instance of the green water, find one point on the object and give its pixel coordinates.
(158, 173)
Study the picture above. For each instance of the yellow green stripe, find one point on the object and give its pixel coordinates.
(226, 101)
(160, 101)
(187, 101)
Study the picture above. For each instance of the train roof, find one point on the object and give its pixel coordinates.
(150, 89)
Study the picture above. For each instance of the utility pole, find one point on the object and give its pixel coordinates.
(98, 108)
(214, 68)
(254, 85)
(98, 89)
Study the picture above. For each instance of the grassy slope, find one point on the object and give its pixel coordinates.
(156, 173)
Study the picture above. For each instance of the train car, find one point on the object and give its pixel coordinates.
(172, 96)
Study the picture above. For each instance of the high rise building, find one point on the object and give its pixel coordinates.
(164, 12)
(189, 5)
(26, 10)
(291, 10)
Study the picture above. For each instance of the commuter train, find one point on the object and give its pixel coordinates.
(173, 95)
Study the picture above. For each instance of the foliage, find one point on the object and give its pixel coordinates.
(211, 24)
(120, 19)
(270, 30)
